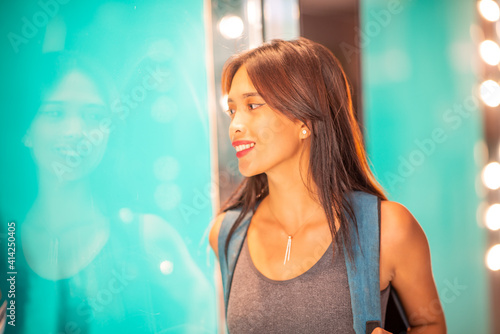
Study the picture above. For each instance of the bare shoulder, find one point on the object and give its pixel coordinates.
(401, 234)
(398, 225)
(214, 232)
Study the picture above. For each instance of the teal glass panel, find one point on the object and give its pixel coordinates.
(105, 168)
(422, 122)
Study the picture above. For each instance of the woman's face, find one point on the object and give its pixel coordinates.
(68, 135)
(274, 141)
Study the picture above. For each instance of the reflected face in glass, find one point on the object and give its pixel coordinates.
(67, 135)
(275, 138)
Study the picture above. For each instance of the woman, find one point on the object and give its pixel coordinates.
(300, 149)
(89, 264)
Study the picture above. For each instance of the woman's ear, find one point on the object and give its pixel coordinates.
(27, 141)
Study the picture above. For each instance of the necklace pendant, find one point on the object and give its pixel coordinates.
(288, 249)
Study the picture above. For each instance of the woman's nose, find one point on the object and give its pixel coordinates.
(238, 124)
(74, 127)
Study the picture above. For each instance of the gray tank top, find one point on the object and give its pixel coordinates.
(317, 301)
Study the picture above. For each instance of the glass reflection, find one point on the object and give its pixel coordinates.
(92, 265)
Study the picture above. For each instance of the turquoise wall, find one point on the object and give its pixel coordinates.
(422, 123)
(106, 174)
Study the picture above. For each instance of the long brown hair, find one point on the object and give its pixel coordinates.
(304, 81)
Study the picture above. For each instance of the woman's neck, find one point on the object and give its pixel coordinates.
(61, 205)
(291, 201)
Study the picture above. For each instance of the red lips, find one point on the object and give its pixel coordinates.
(241, 142)
(243, 152)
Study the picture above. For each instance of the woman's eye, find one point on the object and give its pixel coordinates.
(254, 105)
(251, 106)
(93, 113)
(94, 116)
(51, 113)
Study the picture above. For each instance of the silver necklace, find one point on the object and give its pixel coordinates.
(290, 236)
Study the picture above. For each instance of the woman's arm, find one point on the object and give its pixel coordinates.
(405, 250)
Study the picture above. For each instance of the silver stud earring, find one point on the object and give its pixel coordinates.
(304, 131)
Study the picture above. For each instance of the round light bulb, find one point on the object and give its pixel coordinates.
(493, 258)
(490, 93)
(166, 267)
(493, 217)
(491, 175)
(490, 52)
(231, 27)
(489, 10)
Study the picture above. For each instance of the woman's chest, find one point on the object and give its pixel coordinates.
(277, 258)
(316, 301)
